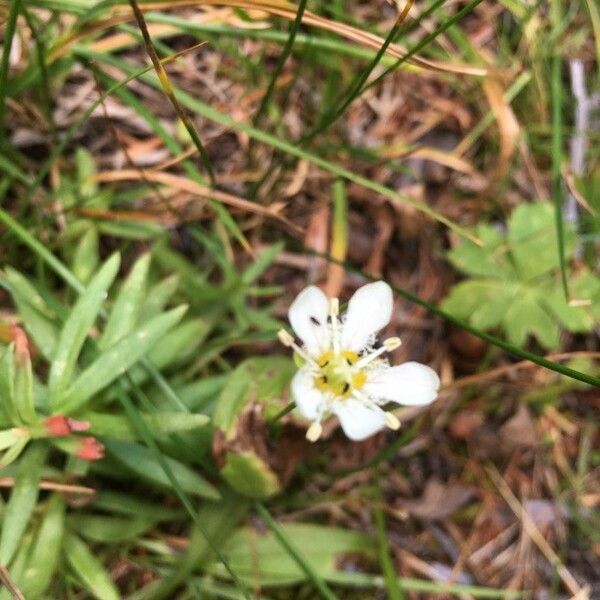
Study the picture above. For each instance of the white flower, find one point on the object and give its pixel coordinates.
(342, 373)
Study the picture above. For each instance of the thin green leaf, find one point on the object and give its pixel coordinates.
(281, 60)
(114, 362)
(76, 328)
(161, 423)
(131, 505)
(45, 554)
(37, 318)
(86, 258)
(7, 386)
(158, 296)
(9, 33)
(263, 261)
(24, 381)
(180, 343)
(23, 499)
(89, 569)
(141, 461)
(109, 530)
(126, 308)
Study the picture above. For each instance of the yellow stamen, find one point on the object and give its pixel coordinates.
(392, 421)
(392, 343)
(314, 432)
(359, 380)
(285, 338)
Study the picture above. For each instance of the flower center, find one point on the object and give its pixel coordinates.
(337, 373)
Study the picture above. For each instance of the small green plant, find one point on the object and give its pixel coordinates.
(514, 282)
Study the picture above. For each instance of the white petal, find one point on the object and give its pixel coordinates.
(358, 421)
(410, 383)
(308, 317)
(369, 310)
(307, 397)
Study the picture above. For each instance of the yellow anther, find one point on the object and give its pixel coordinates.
(285, 338)
(392, 421)
(392, 343)
(314, 432)
(359, 380)
(334, 307)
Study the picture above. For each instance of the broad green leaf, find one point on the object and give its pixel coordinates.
(86, 258)
(258, 557)
(88, 569)
(533, 240)
(141, 461)
(493, 307)
(76, 329)
(109, 530)
(249, 475)
(528, 317)
(37, 318)
(158, 296)
(23, 499)
(125, 310)
(47, 547)
(468, 296)
(115, 361)
(119, 427)
(586, 287)
(574, 318)
(490, 260)
(510, 298)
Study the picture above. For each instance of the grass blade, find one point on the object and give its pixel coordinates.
(9, 33)
(168, 88)
(355, 88)
(295, 553)
(425, 41)
(557, 157)
(288, 147)
(391, 580)
(287, 49)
